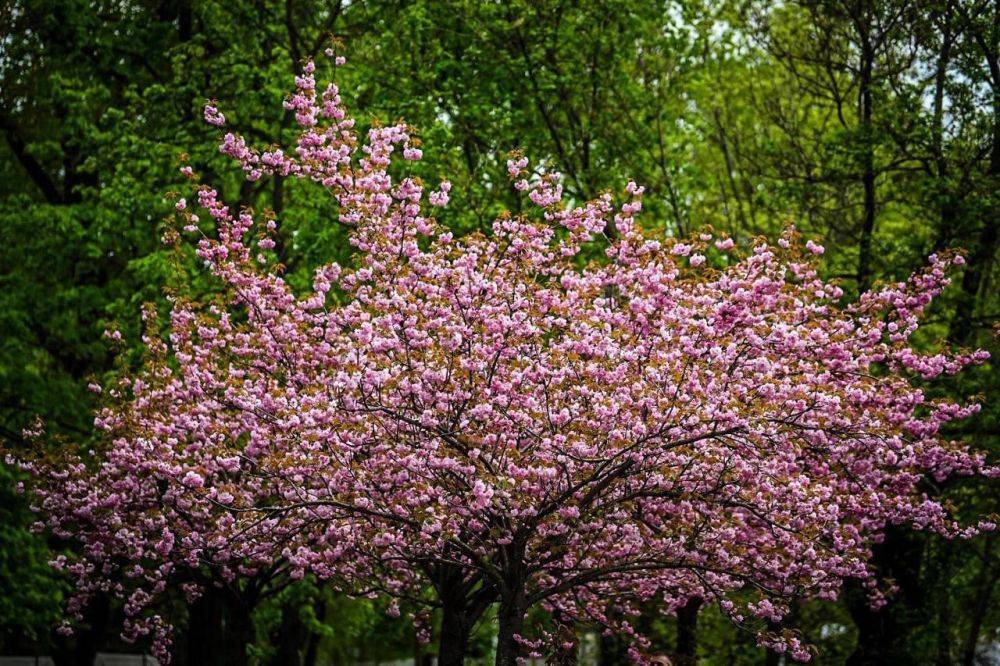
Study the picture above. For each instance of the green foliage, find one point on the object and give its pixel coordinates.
(338, 630)
(30, 591)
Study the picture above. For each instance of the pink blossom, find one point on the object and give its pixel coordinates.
(193, 480)
(516, 166)
(213, 116)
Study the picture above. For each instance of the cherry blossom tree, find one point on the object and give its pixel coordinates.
(566, 413)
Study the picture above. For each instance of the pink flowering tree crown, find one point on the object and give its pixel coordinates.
(565, 413)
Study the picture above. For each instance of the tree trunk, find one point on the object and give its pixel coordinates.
(463, 602)
(510, 618)
(963, 325)
(292, 635)
(90, 640)
(723, 141)
(945, 194)
(687, 633)
(185, 20)
(882, 633)
(985, 247)
(205, 631)
(612, 652)
(868, 160)
(456, 627)
(238, 632)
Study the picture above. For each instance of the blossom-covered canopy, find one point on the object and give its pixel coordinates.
(567, 411)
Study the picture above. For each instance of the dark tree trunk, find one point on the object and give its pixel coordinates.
(90, 639)
(946, 196)
(612, 652)
(985, 247)
(723, 141)
(510, 618)
(882, 635)
(185, 20)
(871, 648)
(38, 174)
(238, 627)
(463, 602)
(868, 157)
(453, 643)
(981, 256)
(979, 261)
(291, 637)
(204, 644)
(687, 633)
